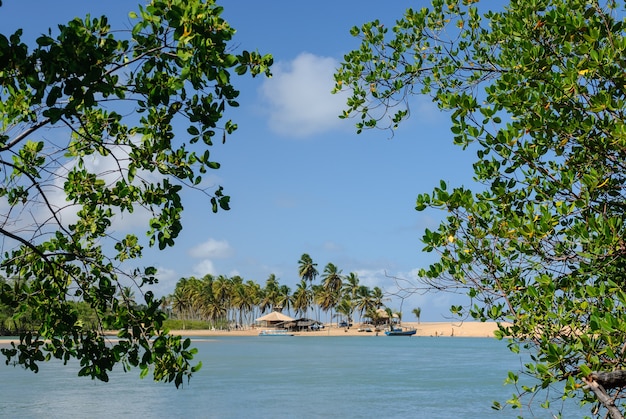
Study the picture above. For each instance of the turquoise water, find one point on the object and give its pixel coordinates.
(289, 377)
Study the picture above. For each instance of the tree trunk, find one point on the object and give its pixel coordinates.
(610, 379)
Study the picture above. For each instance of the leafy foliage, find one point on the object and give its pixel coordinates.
(86, 94)
(536, 88)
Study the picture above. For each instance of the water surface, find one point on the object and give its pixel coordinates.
(289, 377)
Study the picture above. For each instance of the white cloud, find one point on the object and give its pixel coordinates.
(211, 249)
(373, 278)
(167, 275)
(167, 281)
(205, 267)
(299, 96)
(108, 168)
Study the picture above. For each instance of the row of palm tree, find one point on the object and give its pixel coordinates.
(226, 301)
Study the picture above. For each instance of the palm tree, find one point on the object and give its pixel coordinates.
(364, 301)
(307, 269)
(417, 311)
(349, 292)
(222, 290)
(254, 294)
(398, 314)
(285, 300)
(331, 279)
(240, 301)
(350, 285)
(331, 284)
(377, 297)
(302, 297)
(326, 299)
(346, 308)
(182, 300)
(179, 303)
(271, 294)
(316, 292)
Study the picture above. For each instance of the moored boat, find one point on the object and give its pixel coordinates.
(399, 331)
(275, 332)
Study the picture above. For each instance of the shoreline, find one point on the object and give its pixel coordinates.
(424, 329)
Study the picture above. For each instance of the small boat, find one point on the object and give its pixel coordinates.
(398, 331)
(275, 332)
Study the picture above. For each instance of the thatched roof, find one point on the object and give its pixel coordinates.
(382, 313)
(274, 316)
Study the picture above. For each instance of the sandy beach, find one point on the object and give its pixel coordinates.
(450, 329)
(434, 329)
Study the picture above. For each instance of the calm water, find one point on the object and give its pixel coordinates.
(289, 377)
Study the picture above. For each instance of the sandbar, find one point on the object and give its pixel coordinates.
(431, 329)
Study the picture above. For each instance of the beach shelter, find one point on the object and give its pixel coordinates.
(304, 324)
(274, 318)
(383, 316)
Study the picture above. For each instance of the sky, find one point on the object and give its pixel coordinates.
(300, 179)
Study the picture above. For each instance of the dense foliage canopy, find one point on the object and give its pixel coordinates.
(98, 124)
(537, 89)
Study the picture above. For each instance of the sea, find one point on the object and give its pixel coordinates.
(293, 377)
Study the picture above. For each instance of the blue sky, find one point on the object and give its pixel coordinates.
(300, 179)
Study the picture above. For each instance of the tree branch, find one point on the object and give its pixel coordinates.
(23, 135)
(603, 397)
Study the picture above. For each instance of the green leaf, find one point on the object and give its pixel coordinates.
(81, 79)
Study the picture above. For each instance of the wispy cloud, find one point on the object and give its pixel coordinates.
(211, 249)
(205, 267)
(299, 99)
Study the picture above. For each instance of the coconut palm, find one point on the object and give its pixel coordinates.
(240, 301)
(222, 290)
(331, 279)
(349, 290)
(254, 293)
(364, 302)
(327, 299)
(181, 303)
(307, 269)
(316, 291)
(285, 300)
(215, 312)
(270, 295)
(350, 285)
(302, 297)
(398, 314)
(377, 297)
(331, 285)
(346, 308)
(417, 311)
